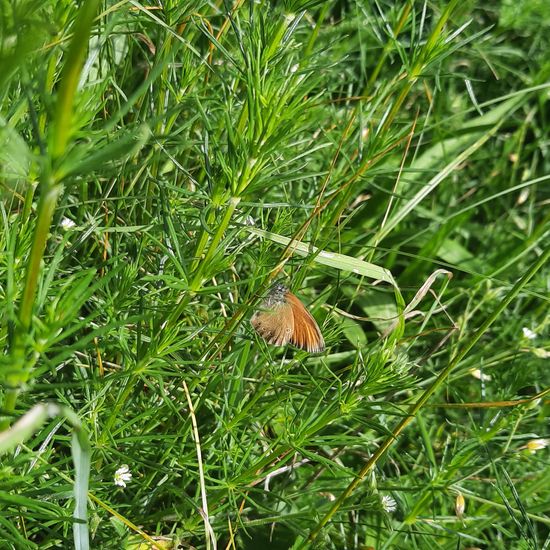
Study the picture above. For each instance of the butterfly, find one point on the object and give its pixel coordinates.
(283, 319)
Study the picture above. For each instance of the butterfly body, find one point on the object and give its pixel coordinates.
(282, 319)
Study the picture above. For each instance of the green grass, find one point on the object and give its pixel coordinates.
(160, 167)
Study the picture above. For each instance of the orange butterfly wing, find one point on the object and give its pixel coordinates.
(307, 334)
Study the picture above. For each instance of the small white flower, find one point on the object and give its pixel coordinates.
(476, 373)
(537, 444)
(294, 68)
(388, 503)
(460, 505)
(528, 333)
(67, 224)
(122, 476)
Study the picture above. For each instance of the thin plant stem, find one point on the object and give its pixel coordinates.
(396, 31)
(195, 431)
(50, 190)
(197, 280)
(21, 365)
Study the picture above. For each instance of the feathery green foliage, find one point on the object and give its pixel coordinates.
(162, 164)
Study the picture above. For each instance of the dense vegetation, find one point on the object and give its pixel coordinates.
(162, 164)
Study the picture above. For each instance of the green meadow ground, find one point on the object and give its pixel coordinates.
(163, 163)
